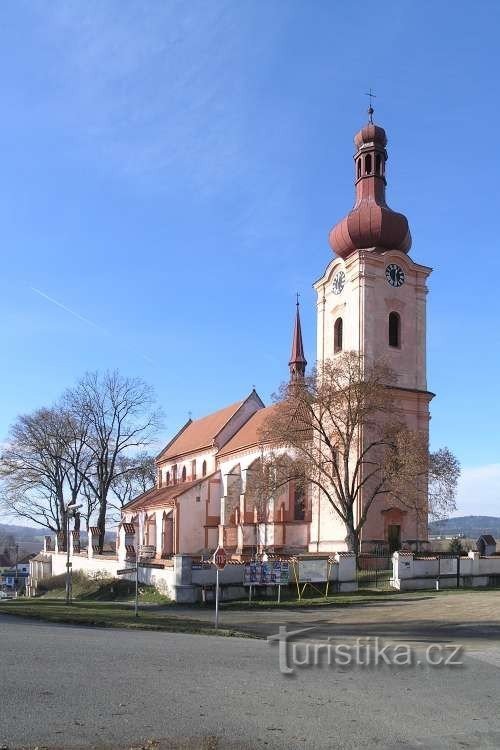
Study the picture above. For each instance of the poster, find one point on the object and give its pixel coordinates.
(273, 573)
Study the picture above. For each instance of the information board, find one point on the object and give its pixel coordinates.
(271, 573)
(313, 570)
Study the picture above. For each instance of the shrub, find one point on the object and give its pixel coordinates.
(455, 547)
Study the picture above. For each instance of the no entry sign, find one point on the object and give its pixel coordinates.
(220, 558)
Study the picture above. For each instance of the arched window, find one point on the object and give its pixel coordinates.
(359, 168)
(183, 473)
(368, 164)
(337, 336)
(394, 329)
(174, 474)
(299, 501)
(204, 469)
(378, 164)
(168, 478)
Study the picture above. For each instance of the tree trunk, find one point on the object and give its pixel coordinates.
(101, 525)
(352, 541)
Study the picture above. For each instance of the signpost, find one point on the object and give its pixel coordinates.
(146, 552)
(219, 560)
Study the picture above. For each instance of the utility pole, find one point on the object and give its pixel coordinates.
(70, 511)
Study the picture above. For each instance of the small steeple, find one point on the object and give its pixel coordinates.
(297, 362)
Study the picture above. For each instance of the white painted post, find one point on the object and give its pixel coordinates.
(136, 604)
(217, 598)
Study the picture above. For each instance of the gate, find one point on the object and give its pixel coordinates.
(374, 570)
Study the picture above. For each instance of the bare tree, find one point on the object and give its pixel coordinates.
(340, 430)
(121, 419)
(33, 469)
(136, 475)
(8, 546)
(424, 482)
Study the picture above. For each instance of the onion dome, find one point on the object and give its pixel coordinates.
(370, 223)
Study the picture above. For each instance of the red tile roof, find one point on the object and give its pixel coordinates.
(200, 433)
(158, 497)
(248, 435)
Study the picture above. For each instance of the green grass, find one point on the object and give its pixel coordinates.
(290, 600)
(99, 588)
(113, 615)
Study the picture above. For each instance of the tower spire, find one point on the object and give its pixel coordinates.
(298, 361)
(371, 224)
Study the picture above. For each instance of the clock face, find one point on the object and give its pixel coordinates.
(395, 275)
(338, 282)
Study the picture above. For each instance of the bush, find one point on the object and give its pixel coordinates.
(456, 547)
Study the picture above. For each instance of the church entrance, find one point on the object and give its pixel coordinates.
(394, 537)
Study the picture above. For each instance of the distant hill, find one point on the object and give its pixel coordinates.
(29, 540)
(469, 526)
(22, 532)
(35, 533)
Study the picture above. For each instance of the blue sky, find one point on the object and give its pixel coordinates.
(170, 172)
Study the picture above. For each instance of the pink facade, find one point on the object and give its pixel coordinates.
(371, 299)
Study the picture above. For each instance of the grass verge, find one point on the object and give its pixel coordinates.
(109, 615)
(99, 588)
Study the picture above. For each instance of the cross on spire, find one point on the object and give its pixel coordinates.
(370, 108)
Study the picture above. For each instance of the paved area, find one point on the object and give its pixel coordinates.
(471, 618)
(73, 687)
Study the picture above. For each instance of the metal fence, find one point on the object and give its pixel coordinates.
(374, 570)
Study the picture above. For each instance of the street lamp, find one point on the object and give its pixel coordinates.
(70, 511)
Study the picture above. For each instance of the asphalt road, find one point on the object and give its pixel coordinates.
(68, 687)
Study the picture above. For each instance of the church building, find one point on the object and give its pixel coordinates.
(371, 299)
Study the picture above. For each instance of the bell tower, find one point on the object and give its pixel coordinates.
(372, 300)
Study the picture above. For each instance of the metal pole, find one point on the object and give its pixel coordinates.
(279, 593)
(136, 604)
(217, 599)
(16, 581)
(67, 559)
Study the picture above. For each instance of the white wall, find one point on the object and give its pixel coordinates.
(411, 572)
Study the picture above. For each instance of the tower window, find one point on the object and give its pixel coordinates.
(204, 469)
(378, 164)
(394, 329)
(359, 168)
(368, 164)
(337, 336)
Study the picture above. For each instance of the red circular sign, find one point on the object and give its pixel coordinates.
(220, 558)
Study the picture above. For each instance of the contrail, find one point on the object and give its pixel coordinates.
(68, 310)
(82, 318)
